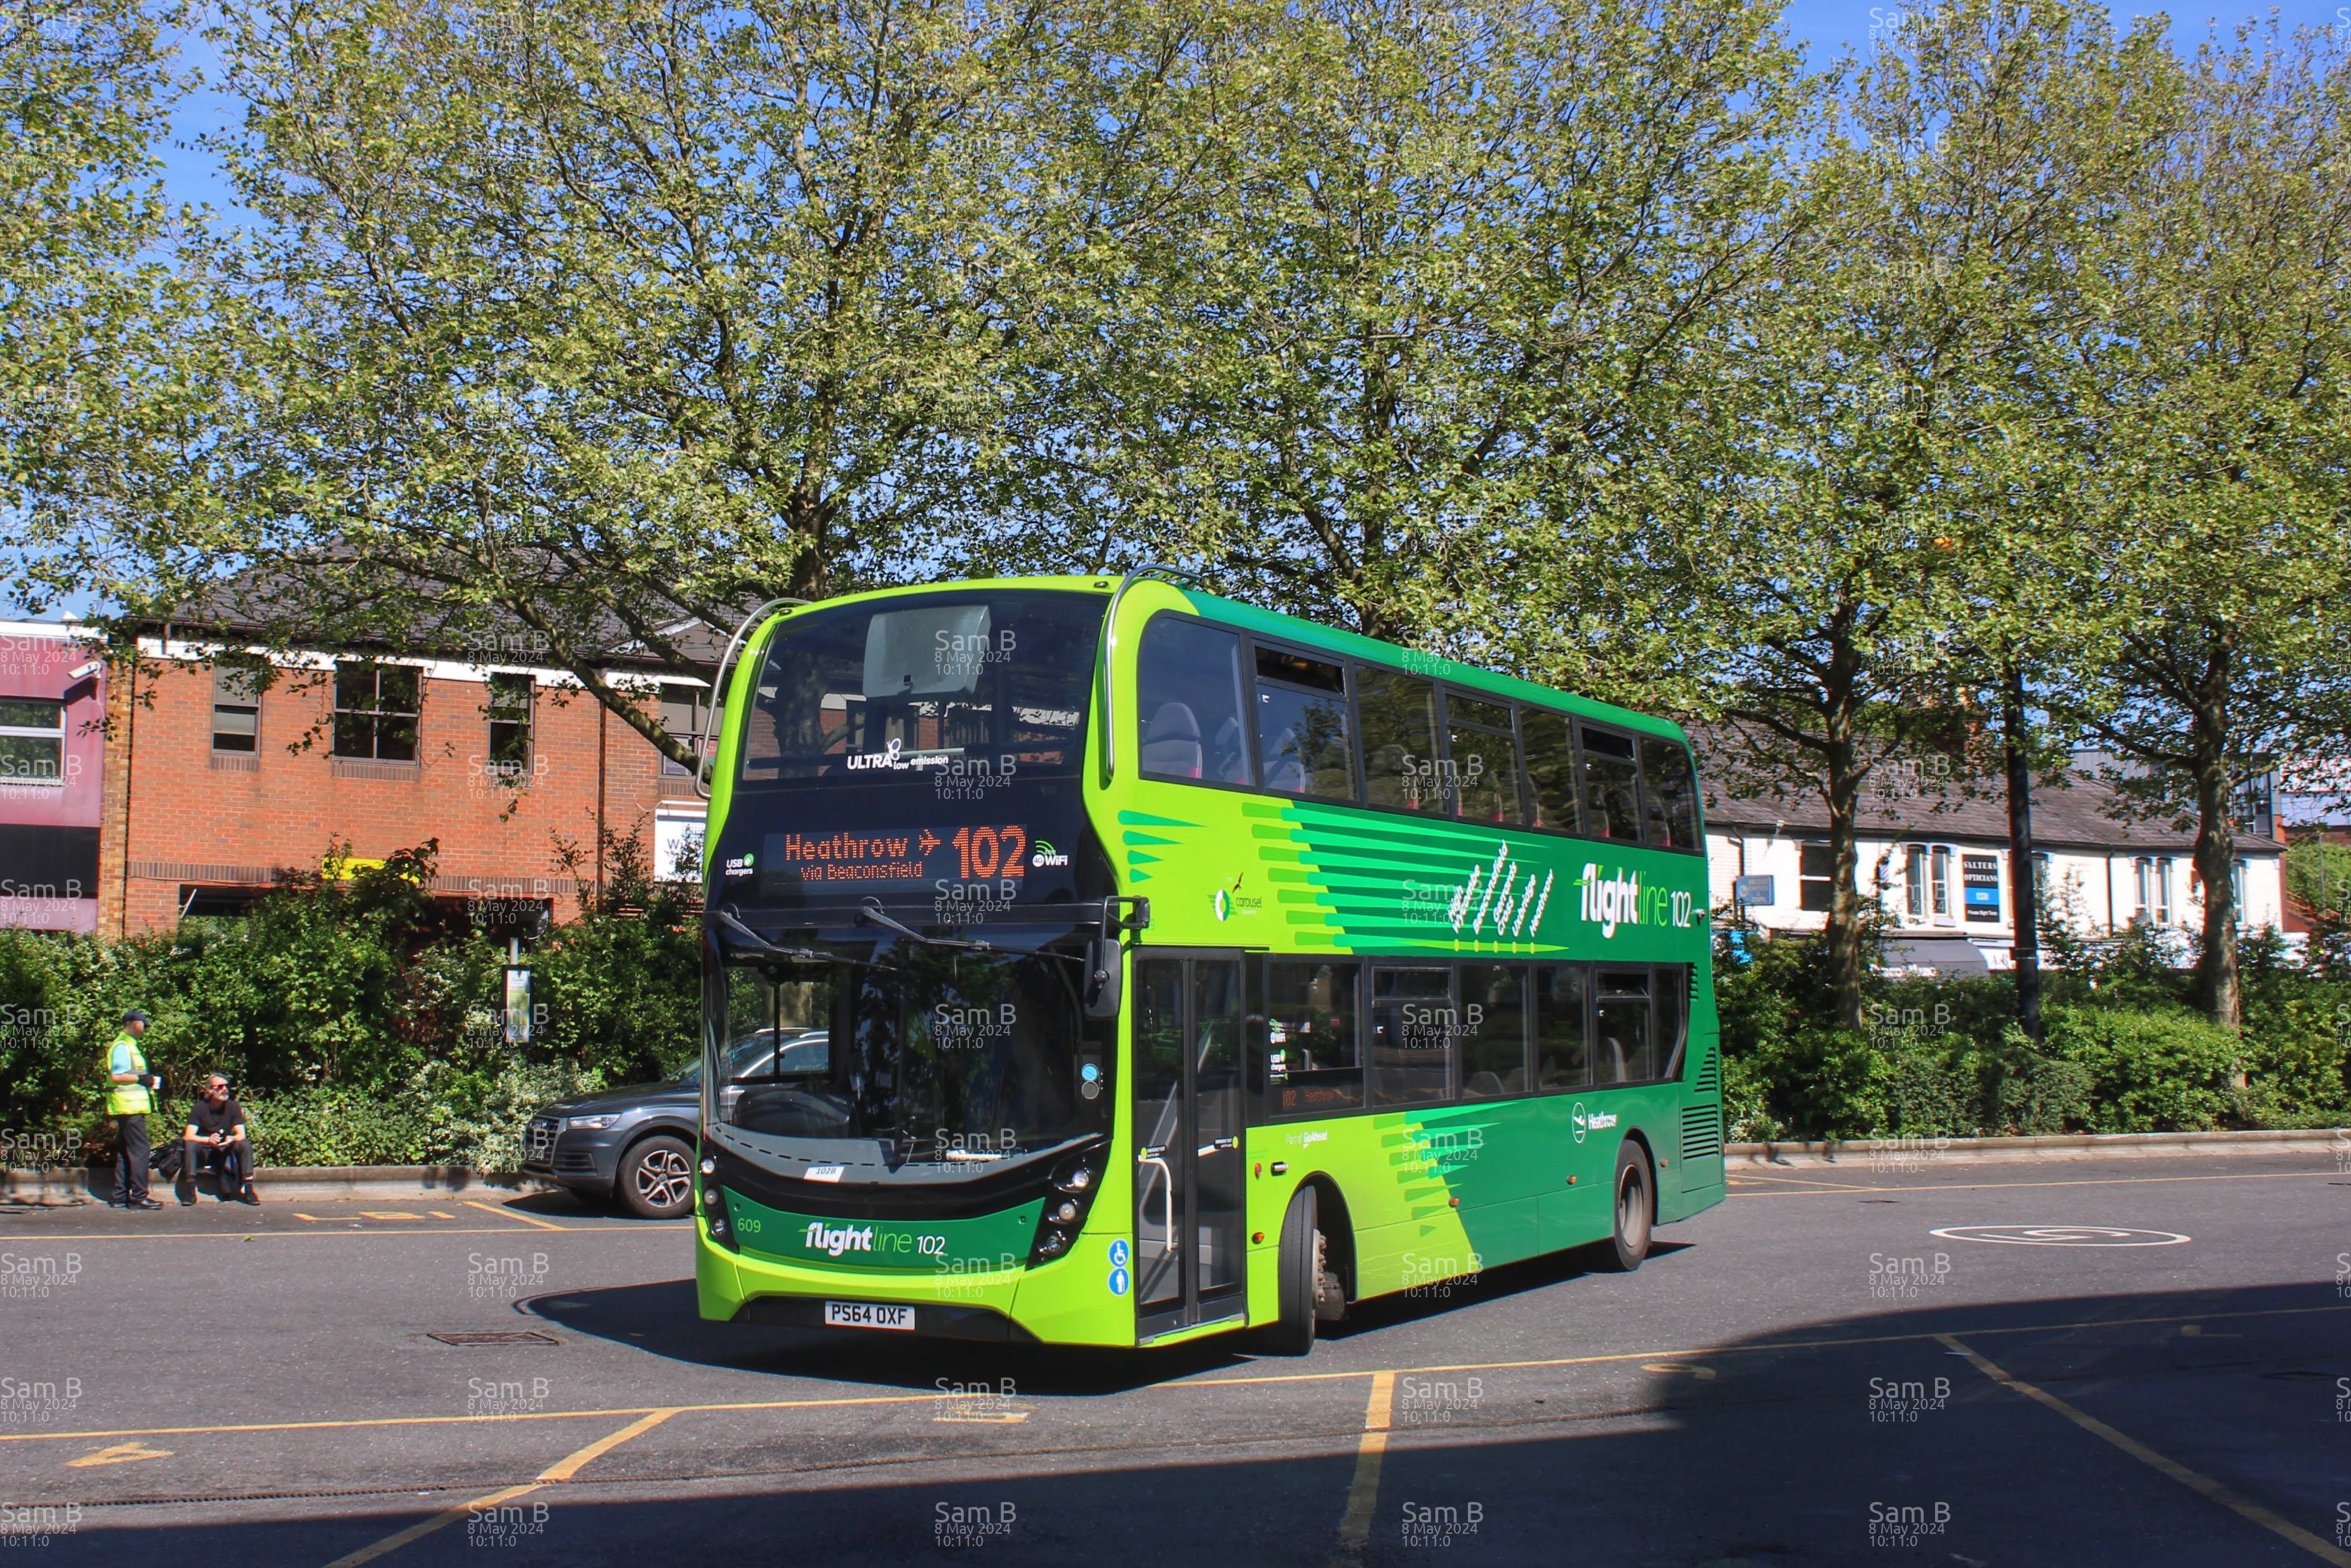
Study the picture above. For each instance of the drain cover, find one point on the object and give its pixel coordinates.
(494, 1336)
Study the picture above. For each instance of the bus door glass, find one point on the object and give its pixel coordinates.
(1187, 1141)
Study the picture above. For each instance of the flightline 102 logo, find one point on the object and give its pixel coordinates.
(1609, 901)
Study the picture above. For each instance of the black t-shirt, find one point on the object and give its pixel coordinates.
(207, 1121)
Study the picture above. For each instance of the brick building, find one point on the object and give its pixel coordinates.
(232, 769)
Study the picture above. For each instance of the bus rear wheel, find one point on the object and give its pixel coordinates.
(1636, 1210)
(1293, 1333)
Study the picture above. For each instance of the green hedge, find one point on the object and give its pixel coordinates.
(2122, 1050)
(360, 1021)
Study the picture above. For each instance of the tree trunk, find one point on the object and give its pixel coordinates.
(1847, 970)
(2024, 886)
(2216, 855)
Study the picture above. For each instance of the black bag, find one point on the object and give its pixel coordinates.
(165, 1159)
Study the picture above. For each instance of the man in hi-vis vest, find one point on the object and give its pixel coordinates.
(130, 1092)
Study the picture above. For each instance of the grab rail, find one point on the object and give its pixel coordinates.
(719, 689)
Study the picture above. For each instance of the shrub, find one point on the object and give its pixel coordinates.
(2157, 1071)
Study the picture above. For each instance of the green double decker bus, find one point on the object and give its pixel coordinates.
(1097, 961)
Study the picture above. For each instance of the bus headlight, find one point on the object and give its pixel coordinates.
(1064, 1211)
(714, 1216)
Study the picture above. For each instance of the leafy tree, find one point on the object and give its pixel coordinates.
(85, 305)
(610, 318)
(1429, 281)
(2213, 439)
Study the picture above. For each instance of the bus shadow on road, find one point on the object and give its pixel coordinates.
(660, 1320)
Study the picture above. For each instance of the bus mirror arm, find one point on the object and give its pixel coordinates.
(1114, 920)
(1104, 965)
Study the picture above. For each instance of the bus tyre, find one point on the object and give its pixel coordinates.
(657, 1178)
(1636, 1208)
(1302, 1246)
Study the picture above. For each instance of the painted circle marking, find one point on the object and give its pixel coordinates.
(2060, 1236)
(1118, 1281)
(1118, 1253)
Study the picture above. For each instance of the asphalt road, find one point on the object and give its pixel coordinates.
(1807, 1374)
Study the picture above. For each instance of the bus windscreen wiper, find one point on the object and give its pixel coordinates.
(767, 949)
(872, 911)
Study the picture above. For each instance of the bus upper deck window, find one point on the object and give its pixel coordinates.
(1301, 727)
(1481, 760)
(1398, 717)
(1611, 782)
(1671, 795)
(1550, 767)
(1188, 689)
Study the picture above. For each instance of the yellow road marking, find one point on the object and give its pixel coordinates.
(1745, 1177)
(388, 1214)
(1703, 1373)
(751, 1405)
(443, 1214)
(510, 1213)
(311, 1218)
(563, 1470)
(2085, 1181)
(2201, 1485)
(1370, 1453)
(418, 1531)
(120, 1454)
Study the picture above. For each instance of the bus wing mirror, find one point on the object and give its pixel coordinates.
(1102, 966)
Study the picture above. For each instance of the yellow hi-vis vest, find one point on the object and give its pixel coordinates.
(127, 1098)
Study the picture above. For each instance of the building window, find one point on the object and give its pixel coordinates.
(509, 714)
(684, 718)
(31, 741)
(2237, 890)
(1815, 876)
(2041, 877)
(2163, 891)
(375, 711)
(236, 707)
(1914, 882)
(1939, 882)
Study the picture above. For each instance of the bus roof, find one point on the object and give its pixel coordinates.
(1307, 633)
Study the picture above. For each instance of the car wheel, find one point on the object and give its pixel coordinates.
(1636, 1210)
(657, 1178)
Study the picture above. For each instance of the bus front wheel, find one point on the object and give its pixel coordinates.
(1636, 1208)
(1293, 1333)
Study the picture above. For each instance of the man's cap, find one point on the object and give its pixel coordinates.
(134, 1015)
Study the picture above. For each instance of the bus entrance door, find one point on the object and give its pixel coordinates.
(1188, 1249)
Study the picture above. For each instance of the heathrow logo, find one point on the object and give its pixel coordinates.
(1585, 1121)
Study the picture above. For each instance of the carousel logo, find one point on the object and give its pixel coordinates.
(1516, 907)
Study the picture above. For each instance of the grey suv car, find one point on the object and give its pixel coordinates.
(636, 1142)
